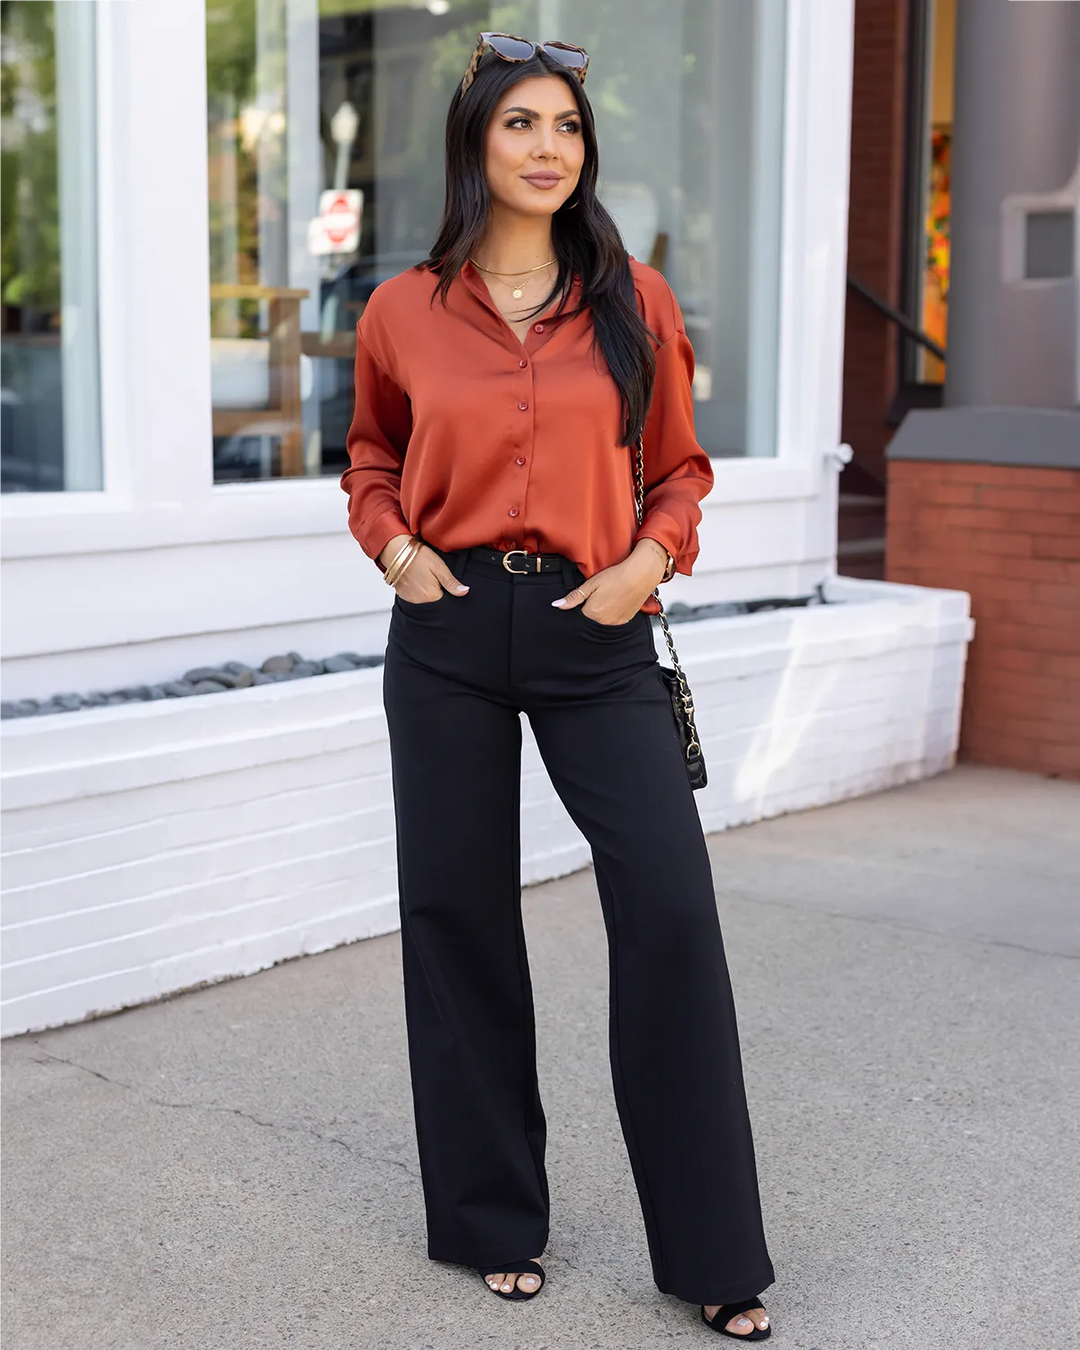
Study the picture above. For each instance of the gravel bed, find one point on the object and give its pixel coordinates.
(678, 612)
(293, 666)
(200, 680)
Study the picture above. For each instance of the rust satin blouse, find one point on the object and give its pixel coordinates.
(464, 435)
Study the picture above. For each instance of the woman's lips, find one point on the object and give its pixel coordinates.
(543, 180)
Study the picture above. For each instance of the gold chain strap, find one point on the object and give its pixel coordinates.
(684, 689)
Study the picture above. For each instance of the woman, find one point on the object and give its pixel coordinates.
(500, 390)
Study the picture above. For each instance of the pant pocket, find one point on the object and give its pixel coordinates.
(610, 629)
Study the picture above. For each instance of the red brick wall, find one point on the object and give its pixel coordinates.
(1010, 537)
(874, 224)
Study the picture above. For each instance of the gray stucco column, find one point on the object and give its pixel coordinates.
(1014, 315)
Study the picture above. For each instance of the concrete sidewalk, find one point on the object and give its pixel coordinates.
(236, 1169)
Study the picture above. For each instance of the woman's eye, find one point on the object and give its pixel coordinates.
(570, 125)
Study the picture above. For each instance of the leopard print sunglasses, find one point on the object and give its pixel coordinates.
(515, 49)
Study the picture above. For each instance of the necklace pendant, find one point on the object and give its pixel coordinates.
(517, 292)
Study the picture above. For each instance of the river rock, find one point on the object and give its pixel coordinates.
(178, 689)
(722, 609)
(231, 681)
(202, 673)
(276, 665)
(208, 687)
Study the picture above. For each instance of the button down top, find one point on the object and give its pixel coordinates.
(432, 427)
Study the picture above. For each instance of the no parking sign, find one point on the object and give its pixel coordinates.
(336, 229)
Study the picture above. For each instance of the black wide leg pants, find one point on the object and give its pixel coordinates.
(459, 670)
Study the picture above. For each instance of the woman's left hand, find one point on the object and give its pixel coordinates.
(615, 594)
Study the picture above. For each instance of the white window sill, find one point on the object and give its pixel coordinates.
(40, 525)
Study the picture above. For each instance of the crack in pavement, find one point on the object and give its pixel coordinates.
(590, 1269)
(229, 1110)
(888, 921)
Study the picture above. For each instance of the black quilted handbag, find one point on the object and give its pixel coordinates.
(682, 701)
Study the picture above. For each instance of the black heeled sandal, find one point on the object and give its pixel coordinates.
(729, 1310)
(519, 1268)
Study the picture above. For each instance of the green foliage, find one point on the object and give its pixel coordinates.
(29, 205)
(234, 221)
(230, 48)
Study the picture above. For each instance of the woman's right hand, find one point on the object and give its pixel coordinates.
(425, 578)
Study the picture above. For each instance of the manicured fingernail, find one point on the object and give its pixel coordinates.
(559, 602)
(461, 589)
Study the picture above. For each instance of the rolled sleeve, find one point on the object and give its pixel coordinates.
(678, 472)
(376, 443)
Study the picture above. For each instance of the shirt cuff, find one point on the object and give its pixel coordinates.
(380, 532)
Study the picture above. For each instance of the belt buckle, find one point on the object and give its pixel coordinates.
(513, 570)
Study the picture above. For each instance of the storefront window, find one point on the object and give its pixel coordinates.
(325, 122)
(49, 388)
(929, 246)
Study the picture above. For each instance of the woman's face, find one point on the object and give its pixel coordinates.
(534, 147)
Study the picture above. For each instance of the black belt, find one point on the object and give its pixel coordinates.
(519, 561)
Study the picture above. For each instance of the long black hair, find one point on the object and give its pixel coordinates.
(585, 238)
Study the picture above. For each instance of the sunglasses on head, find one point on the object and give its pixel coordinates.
(515, 49)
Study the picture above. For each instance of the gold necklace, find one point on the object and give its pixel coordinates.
(516, 291)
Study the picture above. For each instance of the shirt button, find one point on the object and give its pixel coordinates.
(513, 511)
(538, 327)
(524, 407)
(513, 543)
(523, 363)
(520, 459)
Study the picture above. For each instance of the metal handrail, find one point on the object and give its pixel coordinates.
(901, 321)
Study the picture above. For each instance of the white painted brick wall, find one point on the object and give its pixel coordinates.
(151, 847)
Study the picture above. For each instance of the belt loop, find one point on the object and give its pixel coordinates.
(568, 568)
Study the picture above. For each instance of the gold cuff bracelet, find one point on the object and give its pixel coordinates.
(401, 560)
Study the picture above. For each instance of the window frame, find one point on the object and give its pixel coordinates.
(77, 253)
